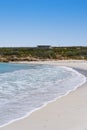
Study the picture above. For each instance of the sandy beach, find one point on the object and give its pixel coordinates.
(66, 113)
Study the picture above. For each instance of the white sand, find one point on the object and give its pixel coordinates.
(67, 113)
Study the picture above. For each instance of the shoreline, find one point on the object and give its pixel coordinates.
(9, 125)
(48, 102)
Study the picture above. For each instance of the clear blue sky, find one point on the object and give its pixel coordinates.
(49, 22)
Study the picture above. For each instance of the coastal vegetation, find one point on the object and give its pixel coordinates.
(36, 53)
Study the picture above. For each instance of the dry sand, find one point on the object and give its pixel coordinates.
(66, 113)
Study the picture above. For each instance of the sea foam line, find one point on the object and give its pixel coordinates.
(55, 99)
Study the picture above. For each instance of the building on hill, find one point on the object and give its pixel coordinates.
(44, 46)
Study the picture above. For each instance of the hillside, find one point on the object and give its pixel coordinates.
(34, 54)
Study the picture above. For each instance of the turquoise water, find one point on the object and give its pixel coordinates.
(8, 67)
(24, 88)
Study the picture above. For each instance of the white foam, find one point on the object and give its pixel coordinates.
(82, 81)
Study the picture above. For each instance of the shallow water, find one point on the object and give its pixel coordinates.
(23, 87)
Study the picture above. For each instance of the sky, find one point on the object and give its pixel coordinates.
(25, 23)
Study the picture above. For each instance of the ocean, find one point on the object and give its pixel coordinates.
(25, 88)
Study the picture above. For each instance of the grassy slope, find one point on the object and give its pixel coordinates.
(28, 54)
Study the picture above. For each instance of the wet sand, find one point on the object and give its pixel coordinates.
(66, 113)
